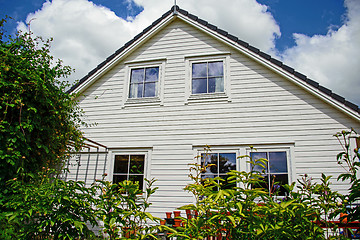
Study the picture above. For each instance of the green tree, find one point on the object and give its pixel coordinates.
(39, 121)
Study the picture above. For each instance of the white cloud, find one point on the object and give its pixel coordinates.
(85, 34)
(245, 19)
(332, 59)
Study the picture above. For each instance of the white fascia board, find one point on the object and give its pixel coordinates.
(124, 53)
(275, 68)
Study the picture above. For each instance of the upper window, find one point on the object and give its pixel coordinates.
(207, 77)
(275, 171)
(129, 167)
(144, 82)
(218, 165)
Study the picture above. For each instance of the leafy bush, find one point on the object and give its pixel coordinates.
(39, 125)
(122, 209)
(39, 121)
(251, 212)
(349, 159)
(46, 207)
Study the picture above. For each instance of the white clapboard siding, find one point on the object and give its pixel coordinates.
(264, 109)
(85, 166)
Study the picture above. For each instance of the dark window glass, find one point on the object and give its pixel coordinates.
(207, 77)
(121, 164)
(144, 82)
(217, 165)
(129, 167)
(136, 164)
(277, 162)
(275, 171)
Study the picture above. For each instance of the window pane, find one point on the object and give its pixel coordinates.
(221, 164)
(211, 158)
(216, 84)
(136, 90)
(277, 162)
(137, 164)
(216, 69)
(152, 74)
(199, 70)
(199, 85)
(256, 156)
(219, 84)
(139, 179)
(204, 176)
(119, 178)
(226, 184)
(121, 164)
(150, 89)
(280, 180)
(137, 75)
(264, 183)
(227, 162)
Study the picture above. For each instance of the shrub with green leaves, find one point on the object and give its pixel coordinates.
(39, 121)
(122, 208)
(249, 211)
(46, 207)
(349, 159)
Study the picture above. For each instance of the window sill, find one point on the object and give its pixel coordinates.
(138, 102)
(208, 97)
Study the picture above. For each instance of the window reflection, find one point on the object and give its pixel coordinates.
(217, 165)
(144, 82)
(207, 77)
(275, 171)
(129, 167)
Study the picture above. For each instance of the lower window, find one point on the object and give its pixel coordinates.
(275, 171)
(217, 165)
(129, 167)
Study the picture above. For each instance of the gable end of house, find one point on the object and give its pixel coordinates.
(175, 11)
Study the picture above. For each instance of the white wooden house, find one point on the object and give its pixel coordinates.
(182, 84)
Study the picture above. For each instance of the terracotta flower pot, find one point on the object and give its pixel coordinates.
(128, 232)
(177, 222)
(176, 213)
(168, 215)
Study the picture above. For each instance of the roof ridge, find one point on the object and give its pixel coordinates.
(175, 9)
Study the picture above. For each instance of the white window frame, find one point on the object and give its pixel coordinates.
(213, 96)
(158, 99)
(244, 150)
(224, 149)
(147, 159)
(289, 153)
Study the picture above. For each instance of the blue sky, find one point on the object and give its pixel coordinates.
(310, 17)
(316, 37)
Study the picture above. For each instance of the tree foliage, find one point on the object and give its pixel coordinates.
(39, 121)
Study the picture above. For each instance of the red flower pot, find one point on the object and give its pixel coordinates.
(177, 213)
